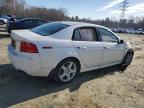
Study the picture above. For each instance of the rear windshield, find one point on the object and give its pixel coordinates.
(49, 28)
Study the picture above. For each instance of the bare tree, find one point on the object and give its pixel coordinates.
(19, 8)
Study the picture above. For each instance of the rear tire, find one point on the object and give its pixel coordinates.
(66, 71)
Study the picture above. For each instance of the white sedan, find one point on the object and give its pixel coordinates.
(63, 49)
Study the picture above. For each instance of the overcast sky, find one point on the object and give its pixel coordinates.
(93, 9)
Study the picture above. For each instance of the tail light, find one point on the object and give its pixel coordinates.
(28, 47)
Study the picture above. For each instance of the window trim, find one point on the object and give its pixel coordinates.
(97, 39)
(74, 33)
(100, 37)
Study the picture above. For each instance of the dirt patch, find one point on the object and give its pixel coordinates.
(106, 88)
(138, 49)
(140, 57)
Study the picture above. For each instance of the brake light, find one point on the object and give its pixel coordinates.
(28, 47)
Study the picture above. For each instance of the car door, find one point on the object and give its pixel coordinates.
(113, 50)
(87, 45)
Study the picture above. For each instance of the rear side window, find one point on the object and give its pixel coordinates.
(49, 28)
(85, 34)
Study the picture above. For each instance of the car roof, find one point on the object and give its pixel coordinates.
(30, 19)
(72, 23)
(81, 24)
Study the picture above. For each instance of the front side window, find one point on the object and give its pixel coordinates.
(84, 34)
(107, 36)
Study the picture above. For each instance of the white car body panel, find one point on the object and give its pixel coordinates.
(29, 63)
(90, 52)
(113, 53)
(91, 55)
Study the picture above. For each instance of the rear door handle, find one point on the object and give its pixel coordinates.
(83, 47)
(106, 47)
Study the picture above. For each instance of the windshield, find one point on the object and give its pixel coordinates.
(49, 28)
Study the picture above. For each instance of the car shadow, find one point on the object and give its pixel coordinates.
(17, 87)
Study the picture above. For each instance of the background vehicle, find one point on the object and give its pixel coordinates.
(19, 18)
(64, 49)
(8, 18)
(26, 23)
(3, 21)
(128, 30)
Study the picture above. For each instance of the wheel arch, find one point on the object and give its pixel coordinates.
(52, 73)
(130, 51)
(74, 58)
(126, 52)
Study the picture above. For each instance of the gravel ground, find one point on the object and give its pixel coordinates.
(105, 88)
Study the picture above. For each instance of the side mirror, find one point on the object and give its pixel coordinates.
(121, 41)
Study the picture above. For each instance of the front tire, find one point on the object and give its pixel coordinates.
(127, 59)
(66, 71)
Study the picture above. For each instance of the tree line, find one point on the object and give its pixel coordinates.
(133, 22)
(20, 8)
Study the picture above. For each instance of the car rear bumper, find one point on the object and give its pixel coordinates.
(31, 65)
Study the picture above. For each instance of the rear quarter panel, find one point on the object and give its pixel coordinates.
(60, 50)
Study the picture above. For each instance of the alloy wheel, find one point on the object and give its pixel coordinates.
(67, 71)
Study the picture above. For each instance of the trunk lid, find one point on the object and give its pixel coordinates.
(26, 35)
(17, 36)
